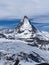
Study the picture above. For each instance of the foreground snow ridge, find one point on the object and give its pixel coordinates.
(24, 45)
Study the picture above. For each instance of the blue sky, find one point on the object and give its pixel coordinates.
(19, 8)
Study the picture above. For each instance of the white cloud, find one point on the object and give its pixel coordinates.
(19, 8)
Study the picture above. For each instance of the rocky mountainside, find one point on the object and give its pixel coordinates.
(25, 45)
(27, 32)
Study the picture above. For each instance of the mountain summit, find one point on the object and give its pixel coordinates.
(25, 24)
(25, 29)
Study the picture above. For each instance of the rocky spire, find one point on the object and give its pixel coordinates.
(25, 24)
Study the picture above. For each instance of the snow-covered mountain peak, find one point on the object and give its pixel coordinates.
(25, 29)
(26, 24)
(32, 51)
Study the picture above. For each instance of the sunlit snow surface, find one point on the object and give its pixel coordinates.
(8, 48)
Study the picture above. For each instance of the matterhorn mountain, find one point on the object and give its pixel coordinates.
(25, 25)
(28, 32)
(25, 30)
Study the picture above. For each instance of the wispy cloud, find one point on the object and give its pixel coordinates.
(19, 8)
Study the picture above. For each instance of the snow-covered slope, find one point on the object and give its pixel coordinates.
(25, 43)
(10, 50)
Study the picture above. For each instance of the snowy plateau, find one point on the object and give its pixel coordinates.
(24, 45)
